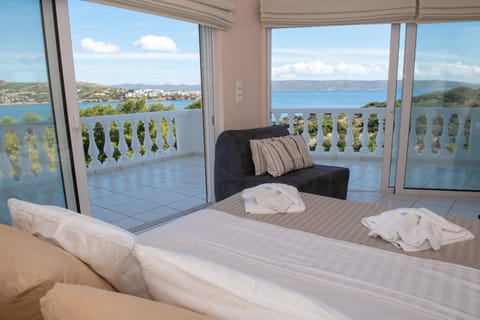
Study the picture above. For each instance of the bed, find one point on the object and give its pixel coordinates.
(319, 264)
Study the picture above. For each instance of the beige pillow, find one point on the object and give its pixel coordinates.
(74, 302)
(286, 154)
(257, 155)
(29, 267)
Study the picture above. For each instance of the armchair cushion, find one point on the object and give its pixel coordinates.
(285, 154)
(277, 158)
(258, 158)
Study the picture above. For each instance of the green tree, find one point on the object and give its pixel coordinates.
(194, 105)
(31, 117)
(133, 106)
(161, 107)
(98, 110)
(7, 120)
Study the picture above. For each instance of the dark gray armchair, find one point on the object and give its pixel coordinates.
(234, 169)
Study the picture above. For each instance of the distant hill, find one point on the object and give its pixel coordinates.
(38, 92)
(323, 85)
(165, 87)
(311, 85)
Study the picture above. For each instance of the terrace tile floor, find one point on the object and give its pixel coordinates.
(146, 194)
(142, 196)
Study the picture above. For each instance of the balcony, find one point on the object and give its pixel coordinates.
(137, 179)
(352, 137)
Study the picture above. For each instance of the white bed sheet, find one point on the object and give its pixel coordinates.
(234, 268)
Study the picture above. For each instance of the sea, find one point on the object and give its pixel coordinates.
(280, 100)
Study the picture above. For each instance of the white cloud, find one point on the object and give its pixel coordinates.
(452, 71)
(351, 69)
(299, 69)
(333, 51)
(140, 56)
(360, 56)
(319, 69)
(156, 43)
(98, 46)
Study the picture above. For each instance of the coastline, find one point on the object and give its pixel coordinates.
(95, 102)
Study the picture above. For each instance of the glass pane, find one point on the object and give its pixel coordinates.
(139, 97)
(330, 85)
(29, 157)
(444, 138)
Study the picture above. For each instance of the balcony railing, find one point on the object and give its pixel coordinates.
(447, 133)
(172, 133)
(28, 150)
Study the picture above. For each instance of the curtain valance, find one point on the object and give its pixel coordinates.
(304, 13)
(448, 10)
(300, 13)
(212, 13)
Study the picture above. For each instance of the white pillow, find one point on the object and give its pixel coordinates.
(219, 291)
(38, 220)
(107, 249)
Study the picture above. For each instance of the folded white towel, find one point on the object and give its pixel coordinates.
(272, 198)
(413, 229)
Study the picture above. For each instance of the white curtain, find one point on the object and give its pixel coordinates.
(300, 13)
(211, 13)
(448, 10)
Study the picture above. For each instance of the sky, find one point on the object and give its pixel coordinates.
(114, 46)
(444, 51)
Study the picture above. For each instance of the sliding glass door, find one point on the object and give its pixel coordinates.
(399, 102)
(33, 137)
(442, 140)
(139, 94)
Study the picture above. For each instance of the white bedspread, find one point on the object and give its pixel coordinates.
(234, 268)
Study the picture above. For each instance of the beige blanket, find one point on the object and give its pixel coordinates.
(340, 219)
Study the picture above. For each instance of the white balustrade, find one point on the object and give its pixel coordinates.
(451, 133)
(439, 123)
(186, 140)
(24, 154)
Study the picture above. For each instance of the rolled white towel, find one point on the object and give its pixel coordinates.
(413, 229)
(270, 198)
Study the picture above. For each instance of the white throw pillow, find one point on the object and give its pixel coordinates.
(39, 220)
(107, 249)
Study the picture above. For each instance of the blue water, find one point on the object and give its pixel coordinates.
(280, 99)
(325, 99)
(17, 111)
(331, 99)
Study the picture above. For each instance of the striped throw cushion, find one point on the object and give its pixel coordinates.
(257, 156)
(277, 158)
(297, 143)
(286, 154)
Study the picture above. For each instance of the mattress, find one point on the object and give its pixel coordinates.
(340, 219)
(240, 269)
